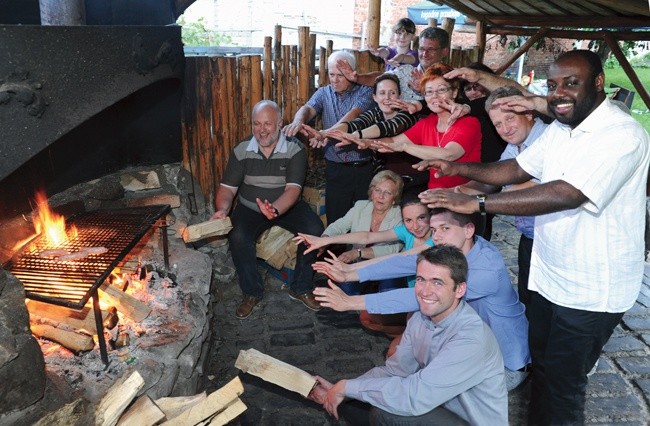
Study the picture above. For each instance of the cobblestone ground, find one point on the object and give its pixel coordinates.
(335, 346)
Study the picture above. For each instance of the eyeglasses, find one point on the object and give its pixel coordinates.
(381, 193)
(473, 86)
(430, 50)
(439, 91)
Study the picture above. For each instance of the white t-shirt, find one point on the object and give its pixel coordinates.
(592, 257)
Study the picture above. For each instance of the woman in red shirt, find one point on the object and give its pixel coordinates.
(434, 137)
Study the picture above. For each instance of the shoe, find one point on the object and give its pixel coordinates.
(245, 308)
(307, 299)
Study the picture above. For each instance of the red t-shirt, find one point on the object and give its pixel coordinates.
(466, 132)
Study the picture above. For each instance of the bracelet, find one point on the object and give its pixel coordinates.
(481, 203)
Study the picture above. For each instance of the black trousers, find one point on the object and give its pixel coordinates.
(345, 185)
(564, 344)
(523, 259)
(359, 413)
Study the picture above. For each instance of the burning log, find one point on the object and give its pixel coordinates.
(143, 412)
(76, 342)
(220, 407)
(125, 303)
(59, 316)
(275, 371)
(211, 228)
(118, 397)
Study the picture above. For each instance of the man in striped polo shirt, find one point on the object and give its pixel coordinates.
(266, 173)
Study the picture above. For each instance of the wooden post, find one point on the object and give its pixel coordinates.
(480, 40)
(268, 69)
(244, 83)
(523, 49)
(286, 83)
(220, 119)
(312, 63)
(204, 151)
(616, 50)
(374, 21)
(448, 25)
(433, 22)
(322, 68)
(304, 70)
(293, 79)
(233, 106)
(256, 80)
(278, 72)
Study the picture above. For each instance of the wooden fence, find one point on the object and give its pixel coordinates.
(220, 92)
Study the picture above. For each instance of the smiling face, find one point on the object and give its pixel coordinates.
(266, 126)
(383, 195)
(573, 92)
(436, 292)
(386, 90)
(475, 91)
(416, 219)
(511, 126)
(403, 38)
(446, 230)
(437, 90)
(430, 52)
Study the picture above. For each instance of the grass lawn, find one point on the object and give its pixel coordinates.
(639, 109)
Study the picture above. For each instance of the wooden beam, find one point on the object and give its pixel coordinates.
(275, 371)
(480, 40)
(374, 20)
(571, 21)
(523, 49)
(636, 8)
(622, 60)
(570, 34)
(268, 68)
(118, 397)
(465, 10)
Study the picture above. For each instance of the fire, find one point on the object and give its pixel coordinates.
(50, 224)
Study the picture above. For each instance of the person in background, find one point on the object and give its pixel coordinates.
(588, 254)
(401, 54)
(520, 130)
(266, 174)
(348, 170)
(447, 369)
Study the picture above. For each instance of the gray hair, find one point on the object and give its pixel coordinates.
(342, 54)
(501, 92)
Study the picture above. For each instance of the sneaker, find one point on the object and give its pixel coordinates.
(307, 299)
(245, 308)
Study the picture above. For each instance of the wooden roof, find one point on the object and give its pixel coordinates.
(561, 14)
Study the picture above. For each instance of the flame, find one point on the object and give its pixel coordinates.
(50, 224)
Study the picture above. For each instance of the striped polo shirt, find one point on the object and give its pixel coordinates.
(255, 176)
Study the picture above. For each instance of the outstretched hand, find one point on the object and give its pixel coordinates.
(316, 138)
(451, 200)
(267, 209)
(346, 69)
(464, 73)
(333, 297)
(312, 242)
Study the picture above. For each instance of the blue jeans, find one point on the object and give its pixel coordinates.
(247, 227)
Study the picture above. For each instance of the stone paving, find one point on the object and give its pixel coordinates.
(335, 346)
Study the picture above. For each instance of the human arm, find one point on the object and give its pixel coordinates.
(401, 143)
(304, 115)
(488, 80)
(402, 58)
(225, 198)
(362, 238)
(523, 104)
(334, 298)
(367, 79)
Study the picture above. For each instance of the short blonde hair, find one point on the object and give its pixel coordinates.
(383, 176)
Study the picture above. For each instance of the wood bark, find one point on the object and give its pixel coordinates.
(76, 342)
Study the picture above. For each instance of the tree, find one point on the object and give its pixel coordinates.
(198, 34)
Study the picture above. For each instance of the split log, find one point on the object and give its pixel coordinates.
(211, 228)
(62, 317)
(276, 247)
(118, 397)
(125, 303)
(215, 403)
(143, 412)
(275, 371)
(76, 342)
(173, 406)
(229, 413)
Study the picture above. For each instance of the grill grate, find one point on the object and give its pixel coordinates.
(71, 283)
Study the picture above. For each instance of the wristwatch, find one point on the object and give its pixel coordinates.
(481, 203)
(359, 254)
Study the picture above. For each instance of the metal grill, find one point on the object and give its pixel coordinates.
(72, 283)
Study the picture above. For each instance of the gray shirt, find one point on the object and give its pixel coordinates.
(456, 363)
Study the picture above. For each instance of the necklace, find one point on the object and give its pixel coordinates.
(441, 139)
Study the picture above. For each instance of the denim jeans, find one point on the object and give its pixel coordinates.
(249, 224)
(565, 344)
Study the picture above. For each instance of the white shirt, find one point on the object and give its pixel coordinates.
(403, 72)
(592, 257)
